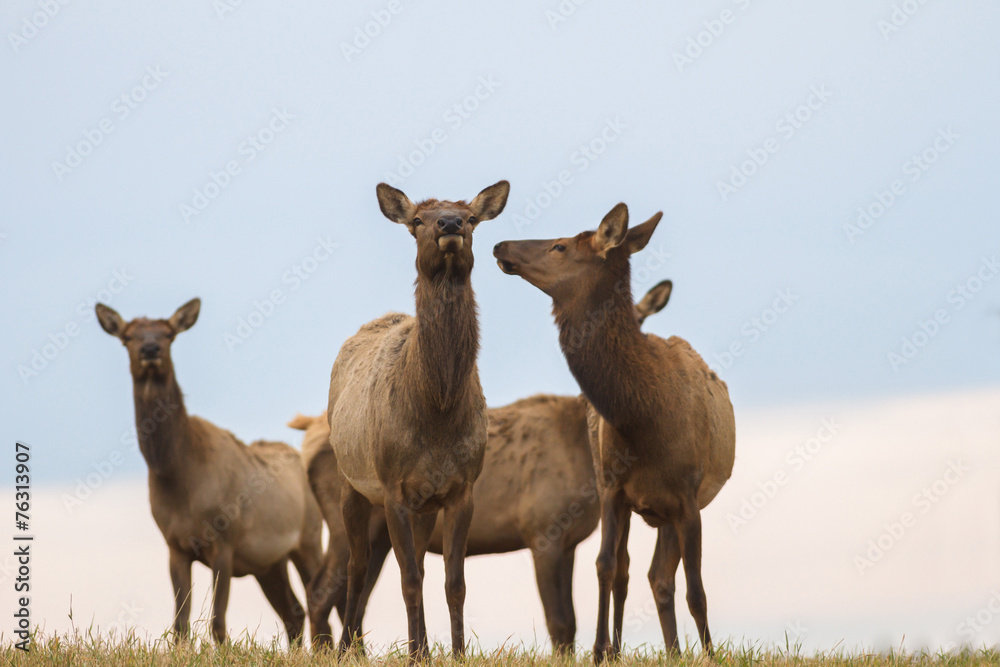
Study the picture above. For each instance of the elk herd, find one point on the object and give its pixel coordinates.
(408, 458)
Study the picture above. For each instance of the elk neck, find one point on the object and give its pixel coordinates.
(609, 356)
(441, 360)
(161, 424)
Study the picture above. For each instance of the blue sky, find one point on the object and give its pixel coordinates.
(156, 153)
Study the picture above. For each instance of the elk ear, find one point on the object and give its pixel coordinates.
(395, 205)
(654, 300)
(489, 203)
(110, 320)
(186, 315)
(612, 231)
(300, 422)
(639, 235)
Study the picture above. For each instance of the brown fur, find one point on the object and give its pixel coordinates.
(407, 414)
(537, 490)
(662, 429)
(239, 510)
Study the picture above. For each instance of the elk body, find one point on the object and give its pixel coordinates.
(537, 491)
(656, 406)
(239, 510)
(407, 414)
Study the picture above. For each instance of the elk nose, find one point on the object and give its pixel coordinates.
(450, 224)
(149, 350)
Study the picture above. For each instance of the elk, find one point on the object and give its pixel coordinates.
(662, 430)
(407, 414)
(538, 452)
(239, 510)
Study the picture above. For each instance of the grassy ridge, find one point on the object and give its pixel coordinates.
(95, 650)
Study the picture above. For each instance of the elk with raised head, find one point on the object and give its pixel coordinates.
(659, 408)
(407, 413)
(239, 510)
(537, 491)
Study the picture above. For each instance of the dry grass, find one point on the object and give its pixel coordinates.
(90, 649)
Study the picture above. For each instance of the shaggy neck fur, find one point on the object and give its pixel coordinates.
(161, 423)
(607, 353)
(442, 354)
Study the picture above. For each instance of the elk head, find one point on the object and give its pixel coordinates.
(148, 341)
(443, 229)
(566, 267)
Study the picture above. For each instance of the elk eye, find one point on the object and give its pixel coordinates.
(417, 222)
(559, 247)
(472, 220)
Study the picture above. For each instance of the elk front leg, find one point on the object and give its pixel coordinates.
(613, 512)
(620, 589)
(549, 578)
(381, 547)
(457, 518)
(180, 577)
(222, 574)
(662, 571)
(357, 511)
(397, 516)
(691, 552)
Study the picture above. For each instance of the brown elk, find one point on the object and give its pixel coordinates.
(663, 434)
(239, 510)
(537, 491)
(407, 413)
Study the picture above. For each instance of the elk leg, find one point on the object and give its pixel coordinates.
(401, 533)
(613, 511)
(423, 526)
(356, 511)
(222, 574)
(309, 562)
(457, 519)
(566, 595)
(180, 577)
(278, 591)
(547, 576)
(620, 587)
(381, 546)
(691, 552)
(662, 571)
(328, 589)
